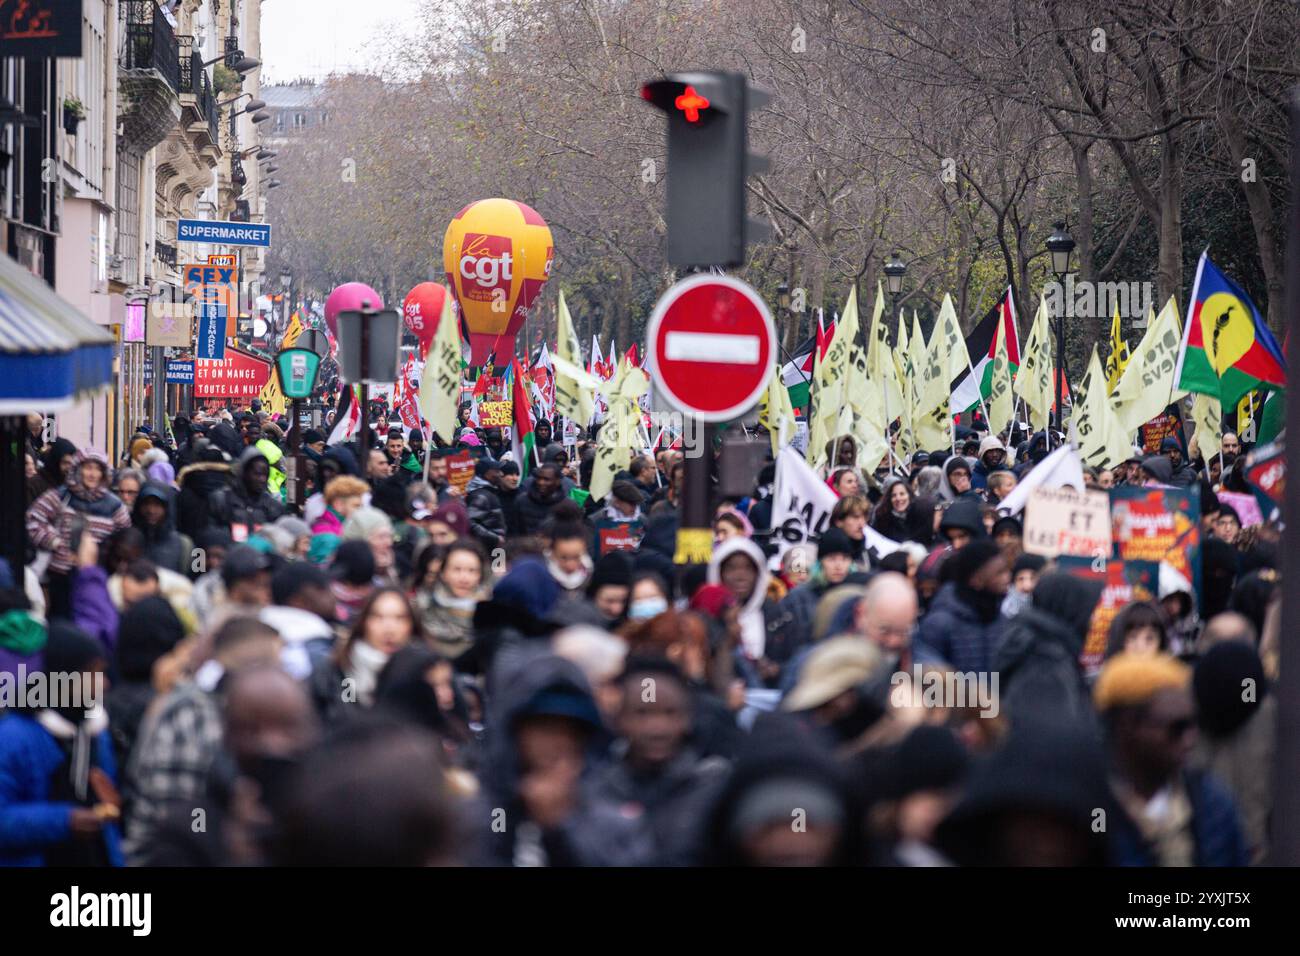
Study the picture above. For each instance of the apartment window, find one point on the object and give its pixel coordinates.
(299, 120)
(128, 215)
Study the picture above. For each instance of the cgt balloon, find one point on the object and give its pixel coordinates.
(497, 254)
(421, 311)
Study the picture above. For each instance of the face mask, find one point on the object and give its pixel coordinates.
(647, 608)
(572, 580)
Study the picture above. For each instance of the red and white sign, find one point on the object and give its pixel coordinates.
(240, 376)
(711, 346)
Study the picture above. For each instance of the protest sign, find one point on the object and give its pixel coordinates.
(1125, 582)
(1168, 424)
(1066, 521)
(617, 535)
(495, 414)
(1159, 524)
(460, 469)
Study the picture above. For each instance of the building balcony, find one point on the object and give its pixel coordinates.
(149, 71)
(198, 98)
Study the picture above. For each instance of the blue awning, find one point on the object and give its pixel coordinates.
(51, 355)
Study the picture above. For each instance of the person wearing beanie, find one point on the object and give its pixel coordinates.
(352, 577)
(1181, 473)
(487, 521)
(624, 503)
(445, 523)
(1038, 660)
(376, 529)
(508, 493)
(1162, 811)
(1025, 571)
(148, 630)
(1157, 472)
(1237, 717)
(834, 562)
(611, 580)
(963, 624)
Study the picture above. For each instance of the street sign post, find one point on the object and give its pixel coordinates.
(711, 345)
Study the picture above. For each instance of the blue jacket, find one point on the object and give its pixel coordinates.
(29, 822)
(953, 632)
(1215, 828)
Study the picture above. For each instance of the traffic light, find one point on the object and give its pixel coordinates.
(708, 161)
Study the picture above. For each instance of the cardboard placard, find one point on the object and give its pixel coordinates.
(1126, 582)
(460, 469)
(618, 535)
(495, 414)
(1065, 521)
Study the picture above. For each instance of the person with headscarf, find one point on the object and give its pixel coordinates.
(766, 643)
(1038, 659)
(59, 803)
(83, 505)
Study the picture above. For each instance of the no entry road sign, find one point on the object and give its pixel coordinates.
(711, 344)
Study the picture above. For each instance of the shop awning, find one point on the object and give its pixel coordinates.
(51, 355)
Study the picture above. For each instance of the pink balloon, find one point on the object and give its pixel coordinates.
(348, 296)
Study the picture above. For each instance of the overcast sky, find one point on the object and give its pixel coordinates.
(317, 37)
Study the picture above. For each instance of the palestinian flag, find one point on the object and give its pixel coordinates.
(521, 433)
(1227, 347)
(981, 345)
(798, 372)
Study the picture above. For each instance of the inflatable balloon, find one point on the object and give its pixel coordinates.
(421, 311)
(348, 296)
(497, 253)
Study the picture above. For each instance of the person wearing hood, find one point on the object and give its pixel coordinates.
(963, 624)
(538, 774)
(1162, 811)
(376, 529)
(899, 516)
(1038, 660)
(56, 466)
(767, 641)
(1181, 474)
(447, 608)
(956, 482)
(345, 681)
(304, 611)
(487, 521)
(245, 505)
(992, 456)
(834, 562)
(59, 803)
(784, 771)
(520, 610)
(962, 523)
(164, 545)
(56, 519)
(533, 504)
(198, 483)
(336, 460)
(654, 772)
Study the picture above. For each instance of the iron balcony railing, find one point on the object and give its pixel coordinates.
(195, 82)
(150, 43)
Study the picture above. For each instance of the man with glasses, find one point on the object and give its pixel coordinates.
(1163, 812)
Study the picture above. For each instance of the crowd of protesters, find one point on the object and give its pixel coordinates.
(407, 670)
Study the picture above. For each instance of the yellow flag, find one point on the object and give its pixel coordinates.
(933, 423)
(1146, 386)
(572, 399)
(1096, 431)
(1118, 357)
(619, 433)
(888, 403)
(440, 381)
(1001, 404)
(1207, 415)
(1246, 408)
(907, 383)
(775, 413)
(830, 383)
(1034, 379)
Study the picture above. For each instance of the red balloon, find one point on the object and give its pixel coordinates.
(347, 297)
(421, 311)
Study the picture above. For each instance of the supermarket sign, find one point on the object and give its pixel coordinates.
(239, 375)
(223, 233)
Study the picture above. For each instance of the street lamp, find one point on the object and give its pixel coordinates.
(252, 106)
(243, 65)
(261, 116)
(1060, 245)
(895, 269)
(783, 296)
(286, 282)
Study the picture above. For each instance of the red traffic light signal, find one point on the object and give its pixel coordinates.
(690, 103)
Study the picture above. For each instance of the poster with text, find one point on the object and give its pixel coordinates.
(1124, 583)
(1159, 524)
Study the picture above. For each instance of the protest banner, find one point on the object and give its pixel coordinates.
(1168, 424)
(1159, 524)
(1065, 521)
(460, 469)
(802, 506)
(1246, 506)
(1124, 583)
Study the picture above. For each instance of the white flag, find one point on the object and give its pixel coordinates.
(802, 504)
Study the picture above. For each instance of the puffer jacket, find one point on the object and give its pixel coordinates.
(198, 483)
(953, 632)
(234, 504)
(487, 522)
